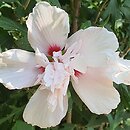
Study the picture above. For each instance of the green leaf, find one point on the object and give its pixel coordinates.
(8, 1)
(126, 11)
(4, 119)
(68, 127)
(6, 40)
(90, 128)
(126, 3)
(127, 122)
(86, 24)
(95, 121)
(113, 10)
(20, 125)
(22, 41)
(54, 2)
(8, 24)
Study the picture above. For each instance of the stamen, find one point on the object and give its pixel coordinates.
(52, 49)
(77, 73)
(41, 69)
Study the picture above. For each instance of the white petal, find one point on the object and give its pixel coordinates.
(41, 58)
(18, 56)
(78, 64)
(120, 71)
(18, 69)
(47, 26)
(56, 76)
(37, 111)
(97, 91)
(49, 75)
(73, 59)
(96, 42)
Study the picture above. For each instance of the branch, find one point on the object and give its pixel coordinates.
(69, 117)
(26, 4)
(101, 9)
(75, 6)
(125, 53)
(76, 9)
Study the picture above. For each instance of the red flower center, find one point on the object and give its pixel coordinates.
(53, 48)
(41, 69)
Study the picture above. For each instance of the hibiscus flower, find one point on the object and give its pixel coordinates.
(87, 58)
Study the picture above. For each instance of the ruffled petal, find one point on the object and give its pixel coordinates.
(119, 70)
(48, 26)
(72, 58)
(41, 58)
(17, 69)
(97, 91)
(95, 42)
(45, 109)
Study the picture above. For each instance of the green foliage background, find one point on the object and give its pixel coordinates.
(113, 14)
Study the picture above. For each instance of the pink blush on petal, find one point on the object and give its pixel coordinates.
(77, 73)
(53, 48)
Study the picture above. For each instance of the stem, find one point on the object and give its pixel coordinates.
(69, 115)
(100, 11)
(26, 4)
(102, 126)
(76, 9)
(70, 102)
(125, 53)
(75, 5)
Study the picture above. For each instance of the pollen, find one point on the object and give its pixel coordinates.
(53, 48)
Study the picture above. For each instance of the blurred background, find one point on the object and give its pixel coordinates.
(112, 14)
